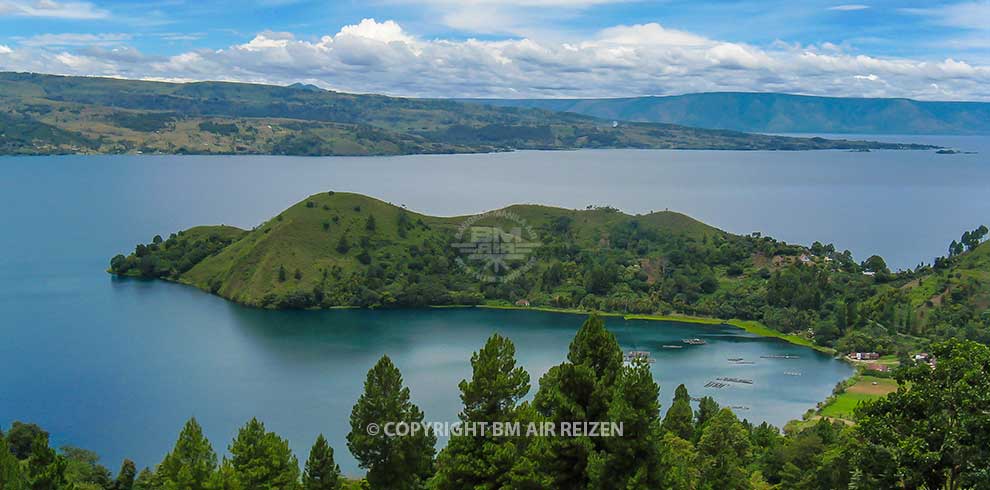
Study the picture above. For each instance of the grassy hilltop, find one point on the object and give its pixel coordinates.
(338, 249)
(46, 114)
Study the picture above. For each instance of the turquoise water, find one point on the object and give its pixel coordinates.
(117, 365)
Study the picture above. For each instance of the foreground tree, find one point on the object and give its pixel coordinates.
(579, 390)
(393, 463)
(934, 432)
(321, 473)
(45, 468)
(11, 477)
(492, 395)
(125, 478)
(724, 450)
(262, 460)
(680, 418)
(21, 438)
(191, 463)
(632, 460)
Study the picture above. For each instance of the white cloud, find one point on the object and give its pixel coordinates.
(71, 39)
(5, 49)
(646, 59)
(966, 15)
(849, 7)
(52, 9)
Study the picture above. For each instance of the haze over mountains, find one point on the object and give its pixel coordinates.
(780, 113)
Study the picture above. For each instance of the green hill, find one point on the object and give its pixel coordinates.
(780, 113)
(340, 249)
(46, 114)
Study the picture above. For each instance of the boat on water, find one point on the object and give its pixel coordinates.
(781, 356)
(673, 346)
(735, 359)
(792, 373)
(736, 380)
(694, 341)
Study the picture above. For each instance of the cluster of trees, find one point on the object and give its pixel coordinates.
(934, 433)
(172, 257)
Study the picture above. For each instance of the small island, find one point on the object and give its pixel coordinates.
(338, 249)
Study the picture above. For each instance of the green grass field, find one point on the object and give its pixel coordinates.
(863, 389)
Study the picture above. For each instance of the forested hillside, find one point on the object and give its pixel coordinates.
(781, 113)
(46, 114)
(342, 249)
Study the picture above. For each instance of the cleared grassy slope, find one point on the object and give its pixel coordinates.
(301, 249)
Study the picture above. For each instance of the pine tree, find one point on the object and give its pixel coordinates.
(369, 224)
(575, 391)
(492, 395)
(145, 480)
(632, 461)
(680, 418)
(125, 478)
(724, 449)
(262, 460)
(191, 463)
(393, 463)
(707, 408)
(322, 473)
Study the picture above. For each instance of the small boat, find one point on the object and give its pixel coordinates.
(792, 373)
(736, 380)
(673, 346)
(735, 359)
(781, 356)
(694, 341)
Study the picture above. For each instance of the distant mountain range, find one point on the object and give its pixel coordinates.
(47, 114)
(780, 113)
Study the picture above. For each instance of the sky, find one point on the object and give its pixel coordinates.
(517, 48)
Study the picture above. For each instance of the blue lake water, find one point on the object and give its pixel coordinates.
(118, 365)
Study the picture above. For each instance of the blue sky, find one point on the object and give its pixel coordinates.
(515, 48)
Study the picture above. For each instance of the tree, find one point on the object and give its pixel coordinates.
(707, 408)
(11, 477)
(45, 469)
(678, 463)
(82, 467)
(724, 450)
(262, 460)
(576, 391)
(125, 478)
(934, 432)
(680, 417)
(393, 463)
(633, 460)
(492, 395)
(875, 264)
(21, 438)
(191, 463)
(321, 473)
(145, 480)
(343, 245)
(369, 224)
(281, 273)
